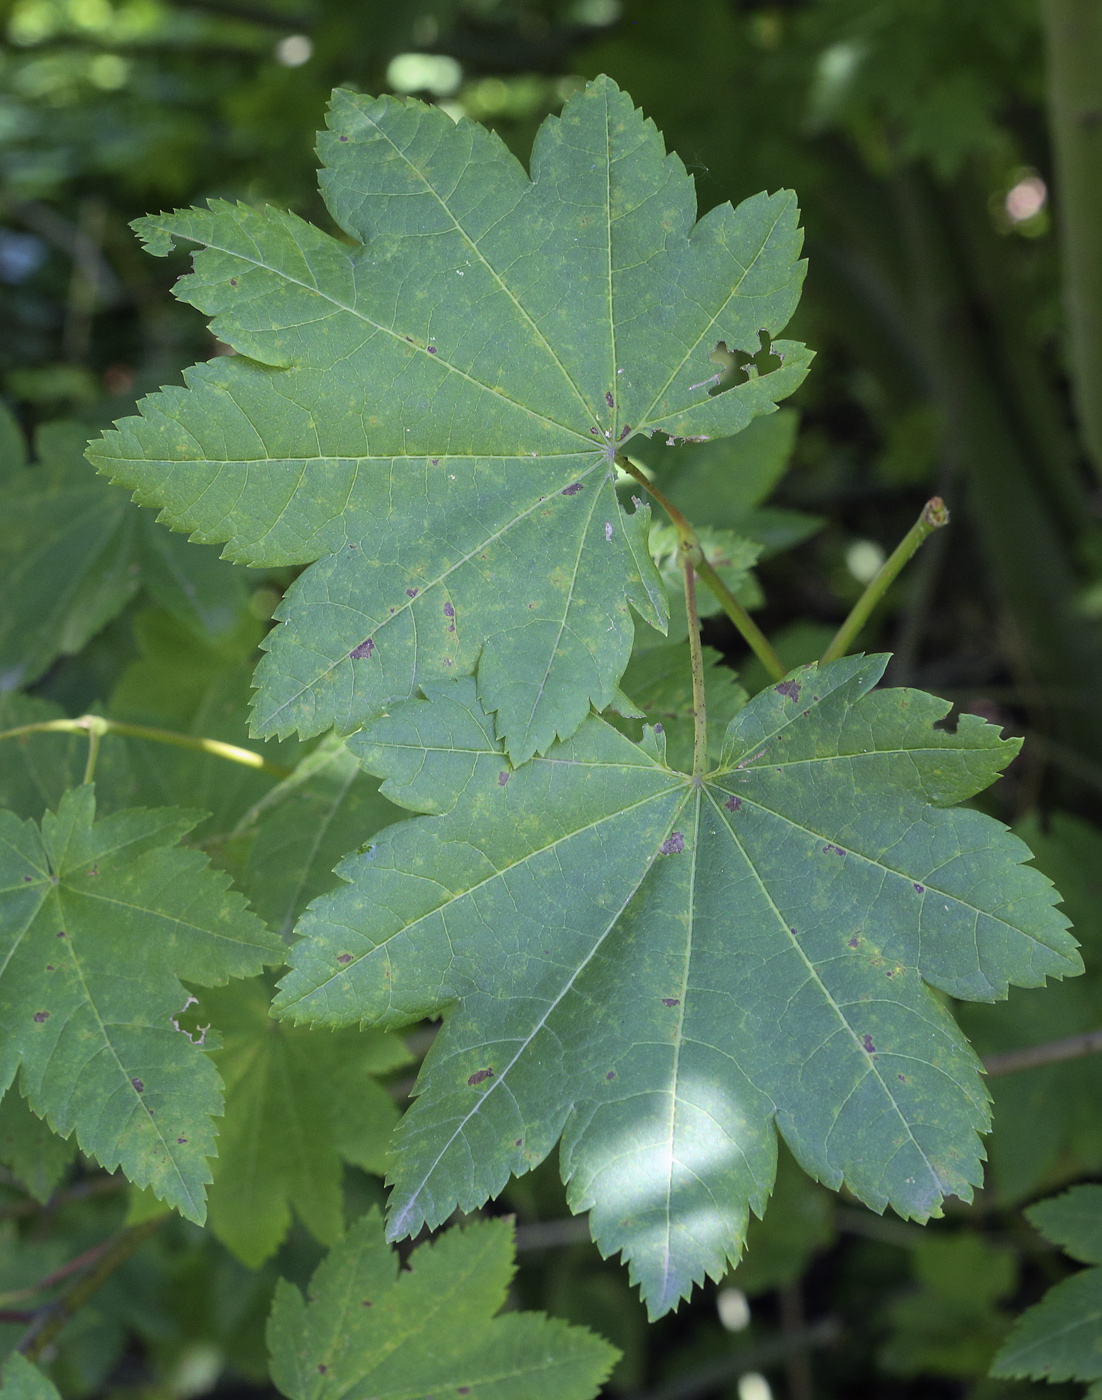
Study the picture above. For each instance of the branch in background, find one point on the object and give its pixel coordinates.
(82, 1191)
(776, 1350)
(1073, 31)
(1052, 1052)
(50, 1319)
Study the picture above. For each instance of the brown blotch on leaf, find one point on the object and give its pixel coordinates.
(28, 879)
(671, 1001)
(233, 281)
(519, 1142)
(853, 943)
(364, 650)
(733, 804)
(345, 958)
(366, 1303)
(322, 1368)
(573, 489)
(449, 611)
(479, 1075)
(673, 845)
(182, 1141)
(610, 401)
(411, 592)
(789, 688)
(41, 1016)
(61, 933)
(137, 1083)
(866, 1041)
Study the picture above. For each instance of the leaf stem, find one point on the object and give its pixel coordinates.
(50, 1319)
(748, 629)
(691, 558)
(934, 515)
(96, 726)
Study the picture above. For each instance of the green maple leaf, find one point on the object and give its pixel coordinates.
(298, 1103)
(1060, 1339)
(656, 970)
(431, 412)
(73, 553)
(38, 1158)
(369, 1330)
(99, 922)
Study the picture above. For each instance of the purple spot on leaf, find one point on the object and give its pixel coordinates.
(920, 889)
(342, 138)
(322, 1369)
(49, 967)
(671, 1001)
(624, 434)
(364, 650)
(61, 933)
(502, 779)
(344, 958)
(41, 1016)
(853, 943)
(449, 611)
(480, 1075)
(233, 281)
(432, 349)
(829, 850)
(411, 592)
(366, 1303)
(27, 879)
(519, 1142)
(673, 845)
(573, 489)
(789, 688)
(733, 803)
(595, 431)
(611, 1074)
(866, 1041)
(610, 401)
(182, 1141)
(658, 729)
(436, 461)
(137, 1083)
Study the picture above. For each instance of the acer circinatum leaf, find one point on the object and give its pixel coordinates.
(1060, 1338)
(99, 922)
(431, 410)
(657, 970)
(370, 1330)
(298, 1102)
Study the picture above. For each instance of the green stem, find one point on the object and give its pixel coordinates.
(690, 561)
(933, 517)
(748, 629)
(55, 1315)
(95, 726)
(1073, 34)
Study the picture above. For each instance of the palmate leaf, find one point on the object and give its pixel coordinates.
(432, 413)
(1060, 1339)
(372, 1331)
(298, 1103)
(99, 922)
(656, 971)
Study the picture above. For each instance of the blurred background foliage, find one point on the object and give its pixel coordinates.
(917, 135)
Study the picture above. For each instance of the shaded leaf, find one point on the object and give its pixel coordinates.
(426, 415)
(297, 1103)
(100, 921)
(36, 1156)
(656, 970)
(430, 1329)
(73, 553)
